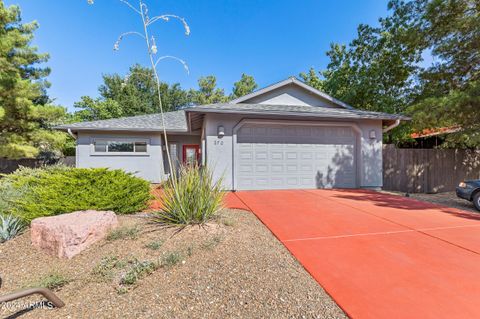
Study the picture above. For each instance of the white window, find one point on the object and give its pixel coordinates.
(120, 146)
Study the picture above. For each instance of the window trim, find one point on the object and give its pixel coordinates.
(133, 140)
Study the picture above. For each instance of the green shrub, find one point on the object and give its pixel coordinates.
(171, 259)
(104, 270)
(154, 245)
(52, 281)
(59, 189)
(191, 199)
(9, 194)
(137, 270)
(130, 232)
(126, 272)
(10, 226)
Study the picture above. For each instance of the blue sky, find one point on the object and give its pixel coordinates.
(269, 39)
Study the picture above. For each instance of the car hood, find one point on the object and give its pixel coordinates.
(475, 183)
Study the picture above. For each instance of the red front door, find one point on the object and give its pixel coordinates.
(191, 154)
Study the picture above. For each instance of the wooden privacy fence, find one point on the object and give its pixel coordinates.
(8, 165)
(428, 170)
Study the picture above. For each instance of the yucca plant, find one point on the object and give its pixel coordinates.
(192, 198)
(10, 226)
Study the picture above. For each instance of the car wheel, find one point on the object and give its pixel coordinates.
(476, 200)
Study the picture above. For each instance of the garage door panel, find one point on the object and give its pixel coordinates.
(245, 167)
(291, 155)
(261, 155)
(245, 146)
(292, 168)
(277, 168)
(261, 168)
(295, 157)
(306, 168)
(246, 155)
(246, 183)
(306, 155)
(262, 181)
(293, 181)
(276, 155)
(276, 182)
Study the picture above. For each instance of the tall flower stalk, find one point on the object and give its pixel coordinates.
(152, 50)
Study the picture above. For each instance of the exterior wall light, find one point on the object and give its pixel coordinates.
(220, 131)
(373, 135)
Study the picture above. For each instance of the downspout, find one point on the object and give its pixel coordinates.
(391, 127)
(69, 131)
(204, 148)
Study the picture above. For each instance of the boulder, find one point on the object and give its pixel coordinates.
(67, 235)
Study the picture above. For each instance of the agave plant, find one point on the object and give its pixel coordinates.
(192, 198)
(10, 226)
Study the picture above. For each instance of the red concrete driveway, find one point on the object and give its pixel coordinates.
(377, 255)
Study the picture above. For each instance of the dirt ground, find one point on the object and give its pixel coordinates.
(449, 199)
(233, 268)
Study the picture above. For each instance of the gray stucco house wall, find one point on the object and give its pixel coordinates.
(143, 165)
(285, 136)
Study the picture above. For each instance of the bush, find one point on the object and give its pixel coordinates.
(154, 245)
(52, 281)
(104, 270)
(191, 199)
(136, 271)
(9, 195)
(130, 232)
(59, 189)
(127, 271)
(10, 226)
(171, 259)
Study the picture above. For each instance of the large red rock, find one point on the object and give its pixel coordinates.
(68, 234)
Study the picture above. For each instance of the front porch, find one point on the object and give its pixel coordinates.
(184, 149)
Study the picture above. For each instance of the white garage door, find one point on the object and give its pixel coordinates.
(271, 156)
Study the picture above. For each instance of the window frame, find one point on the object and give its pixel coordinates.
(108, 140)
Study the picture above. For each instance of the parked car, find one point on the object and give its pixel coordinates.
(470, 190)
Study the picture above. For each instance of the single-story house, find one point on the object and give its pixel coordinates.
(285, 136)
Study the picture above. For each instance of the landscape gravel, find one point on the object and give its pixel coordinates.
(232, 268)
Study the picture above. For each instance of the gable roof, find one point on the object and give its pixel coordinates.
(177, 121)
(294, 110)
(174, 122)
(295, 81)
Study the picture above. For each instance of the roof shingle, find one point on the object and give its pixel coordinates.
(174, 121)
(316, 111)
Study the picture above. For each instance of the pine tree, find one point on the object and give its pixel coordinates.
(25, 113)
